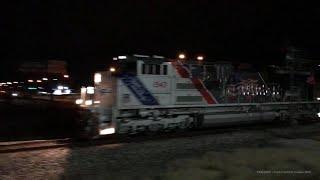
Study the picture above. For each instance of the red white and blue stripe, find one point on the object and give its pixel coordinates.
(184, 72)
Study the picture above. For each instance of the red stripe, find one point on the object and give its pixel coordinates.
(182, 71)
(196, 82)
(204, 92)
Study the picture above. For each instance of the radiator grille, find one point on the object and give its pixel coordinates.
(189, 98)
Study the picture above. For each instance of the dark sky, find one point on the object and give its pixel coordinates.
(88, 33)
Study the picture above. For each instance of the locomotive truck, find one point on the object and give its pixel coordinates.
(153, 94)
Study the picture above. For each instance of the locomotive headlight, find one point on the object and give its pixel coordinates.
(83, 90)
(107, 131)
(88, 102)
(79, 101)
(97, 78)
(90, 90)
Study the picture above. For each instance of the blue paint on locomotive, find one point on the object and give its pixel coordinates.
(138, 89)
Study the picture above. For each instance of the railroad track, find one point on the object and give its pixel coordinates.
(16, 146)
(9, 147)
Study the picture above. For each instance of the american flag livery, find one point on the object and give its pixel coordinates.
(184, 72)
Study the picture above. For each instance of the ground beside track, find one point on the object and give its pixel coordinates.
(283, 153)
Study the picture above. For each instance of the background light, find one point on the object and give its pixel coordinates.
(107, 131)
(57, 92)
(112, 69)
(182, 56)
(122, 57)
(45, 79)
(66, 76)
(30, 80)
(68, 91)
(200, 58)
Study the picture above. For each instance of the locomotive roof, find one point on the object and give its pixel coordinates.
(160, 59)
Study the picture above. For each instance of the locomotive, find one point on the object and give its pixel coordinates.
(153, 94)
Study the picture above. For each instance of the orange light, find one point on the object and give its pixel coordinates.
(182, 56)
(200, 58)
(112, 69)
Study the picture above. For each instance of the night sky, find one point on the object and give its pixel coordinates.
(88, 33)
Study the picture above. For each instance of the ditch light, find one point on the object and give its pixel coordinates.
(107, 131)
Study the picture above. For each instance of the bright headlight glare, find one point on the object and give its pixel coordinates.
(107, 131)
(79, 101)
(90, 90)
(97, 77)
(57, 92)
(88, 102)
(96, 102)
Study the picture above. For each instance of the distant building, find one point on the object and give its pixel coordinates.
(43, 77)
(48, 68)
